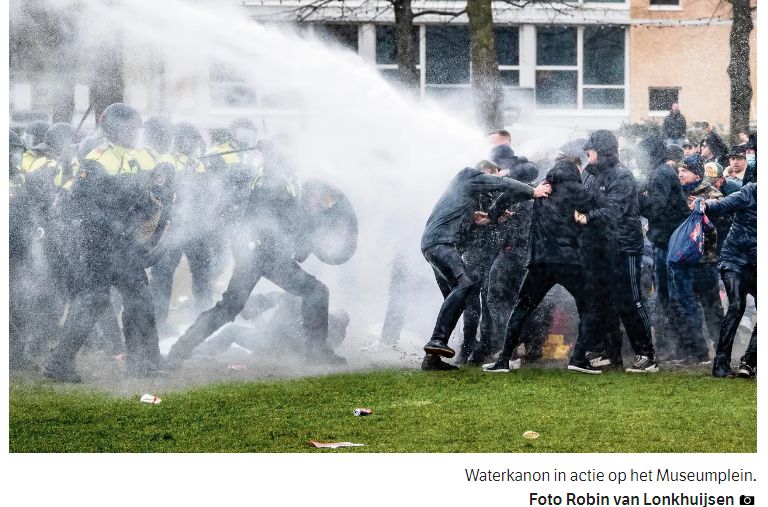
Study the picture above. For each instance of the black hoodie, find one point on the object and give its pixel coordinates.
(612, 209)
(662, 201)
(555, 235)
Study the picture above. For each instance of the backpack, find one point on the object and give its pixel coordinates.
(686, 245)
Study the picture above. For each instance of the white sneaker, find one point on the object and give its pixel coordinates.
(501, 367)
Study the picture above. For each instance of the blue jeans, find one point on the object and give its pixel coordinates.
(688, 316)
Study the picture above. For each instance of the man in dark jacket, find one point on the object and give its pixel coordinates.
(675, 125)
(555, 259)
(663, 204)
(695, 284)
(445, 231)
(613, 249)
(738, 269)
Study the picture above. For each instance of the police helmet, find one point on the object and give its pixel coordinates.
(34, 133)
(15, 150)
(58, 137)
(187, 139)
(158, 133)
(121, 124)
(244, 131)
(15, 141)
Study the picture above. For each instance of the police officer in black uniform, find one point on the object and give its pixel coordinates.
(270, 226)
(188, 235)
(114, 204)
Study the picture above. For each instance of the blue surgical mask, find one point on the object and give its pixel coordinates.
(751, 159)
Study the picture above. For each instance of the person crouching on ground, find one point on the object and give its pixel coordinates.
(445, 230)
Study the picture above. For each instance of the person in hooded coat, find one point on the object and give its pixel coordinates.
(555, 258)
(663, 204)
(613, 249)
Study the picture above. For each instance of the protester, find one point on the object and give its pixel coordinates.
(663, 204)
(555, 259)
(695, 286)
(613, 248)
(675, 126)
(738, 269)
(443, 234)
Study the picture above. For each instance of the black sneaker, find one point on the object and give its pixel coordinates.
(59, 373)
(438, 348)
(585, 366)
(597, 359)
(434, 363)
(746, 371)
(643, 364)
(503, 365)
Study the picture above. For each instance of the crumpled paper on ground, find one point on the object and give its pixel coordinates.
(333, 445)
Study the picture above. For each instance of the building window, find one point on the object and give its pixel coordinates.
(508, 55)
(661, 99)
(557, 77)
(342, 35)
(447, 55)
(580, 67)
(665, 3)
(603, 73)
(386, 51)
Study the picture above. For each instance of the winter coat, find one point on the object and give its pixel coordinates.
(554, 234)
(612, 209)
(718, 147)
(452, 215)
(706, 191)
(662, 202)
(740, 248)
(675, 125)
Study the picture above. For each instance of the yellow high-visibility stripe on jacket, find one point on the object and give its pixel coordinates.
(28, 159)
(114, 159)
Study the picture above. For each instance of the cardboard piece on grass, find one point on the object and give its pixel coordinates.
(148, 398)
(333, 445)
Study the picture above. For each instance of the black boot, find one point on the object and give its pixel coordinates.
(434, 363)
(60, 372)
(721, 367)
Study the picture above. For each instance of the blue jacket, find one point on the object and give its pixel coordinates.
(740, 248)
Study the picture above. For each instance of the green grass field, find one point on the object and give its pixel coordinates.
(465, 411)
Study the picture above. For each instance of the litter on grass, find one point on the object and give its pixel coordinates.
(148, 398)
(237, 367)
(531, 435)
(362, 411)
(333, 445)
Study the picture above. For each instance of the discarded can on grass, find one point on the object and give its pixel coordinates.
(148, 398)
(359, 412)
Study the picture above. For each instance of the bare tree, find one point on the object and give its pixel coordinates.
(486, 88)
(738, 68)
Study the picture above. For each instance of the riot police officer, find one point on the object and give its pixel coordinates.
(114, 203)
(188, 234)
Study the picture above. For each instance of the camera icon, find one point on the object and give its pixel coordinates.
(746, 500)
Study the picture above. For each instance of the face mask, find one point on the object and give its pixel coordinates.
(751, 159)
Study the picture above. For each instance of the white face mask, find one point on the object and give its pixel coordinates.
(751, 159)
